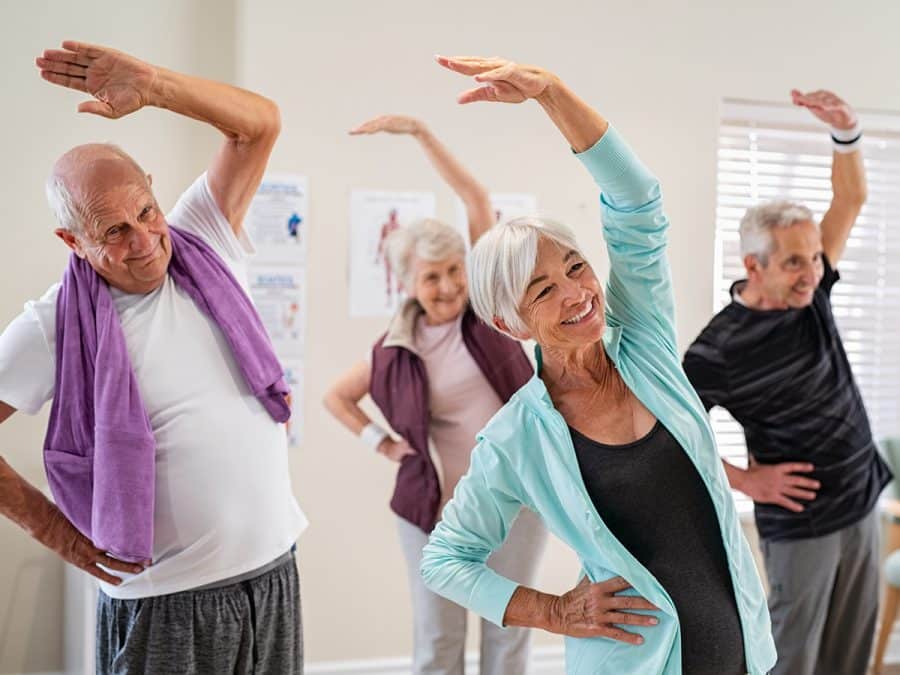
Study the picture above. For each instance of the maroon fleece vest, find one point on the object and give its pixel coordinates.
(399, 387)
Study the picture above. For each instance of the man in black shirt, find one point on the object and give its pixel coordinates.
(774, 359)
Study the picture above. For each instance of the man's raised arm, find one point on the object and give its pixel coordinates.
(122, 84)
(848, 175)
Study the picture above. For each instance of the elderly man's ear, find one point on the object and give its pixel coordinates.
(71, 241)
(754, 267)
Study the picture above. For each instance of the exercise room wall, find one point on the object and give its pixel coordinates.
(657, 69)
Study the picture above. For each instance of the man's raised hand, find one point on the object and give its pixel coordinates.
(119, 83)
(827, 106)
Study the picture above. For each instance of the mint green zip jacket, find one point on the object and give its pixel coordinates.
(524, 456)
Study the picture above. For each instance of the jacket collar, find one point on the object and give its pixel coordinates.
(401, 331)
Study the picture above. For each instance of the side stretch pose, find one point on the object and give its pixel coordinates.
(607, 442)
(438, 375)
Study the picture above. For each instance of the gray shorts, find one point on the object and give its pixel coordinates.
(250, 624)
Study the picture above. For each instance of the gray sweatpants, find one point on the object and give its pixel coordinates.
(439, 631)
(823, 600)
(250, 626)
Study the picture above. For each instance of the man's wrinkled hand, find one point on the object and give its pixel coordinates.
(828, 107)
(60, 536)
(119, 83)
(779, 484)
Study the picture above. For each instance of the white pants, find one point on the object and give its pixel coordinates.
(439, 630)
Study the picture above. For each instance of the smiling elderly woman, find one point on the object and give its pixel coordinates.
(438, 375)
(607, 442)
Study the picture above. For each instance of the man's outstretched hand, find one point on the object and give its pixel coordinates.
(121, 84)
(828, 107)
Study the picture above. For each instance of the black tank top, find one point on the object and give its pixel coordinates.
(654, 501)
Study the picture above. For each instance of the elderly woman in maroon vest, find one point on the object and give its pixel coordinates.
(438, 375)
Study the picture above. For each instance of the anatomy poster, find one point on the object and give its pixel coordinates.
(374, 216)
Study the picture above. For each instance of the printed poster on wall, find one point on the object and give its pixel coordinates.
(278, 293)
(277, 224)
(293, 374)
(276, 219)
(374, 216)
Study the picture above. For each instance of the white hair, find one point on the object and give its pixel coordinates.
(62, 203)
(427, 239)
(759, 221)
(69, 213)
(501, 265)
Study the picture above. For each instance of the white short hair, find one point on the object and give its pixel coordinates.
(63, 204)
(759, 221)
(427, 239)
(501, 265)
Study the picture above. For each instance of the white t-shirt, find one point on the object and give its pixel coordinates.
(224, 504)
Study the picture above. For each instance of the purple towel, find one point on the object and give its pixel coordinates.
(99, 452)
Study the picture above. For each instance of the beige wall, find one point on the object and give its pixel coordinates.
(657, 69)
(39, 123)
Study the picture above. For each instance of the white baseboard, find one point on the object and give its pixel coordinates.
(544, 661)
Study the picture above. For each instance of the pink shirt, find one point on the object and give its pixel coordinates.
(462, 400)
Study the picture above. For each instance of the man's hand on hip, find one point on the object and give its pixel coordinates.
(779, 484)
(121, 84)
(26, 506)
(60, 536)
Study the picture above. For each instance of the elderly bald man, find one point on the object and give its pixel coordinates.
(166, 451)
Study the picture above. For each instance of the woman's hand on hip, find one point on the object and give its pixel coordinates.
(595, 610)
(395, 450)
